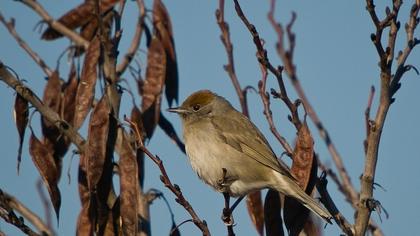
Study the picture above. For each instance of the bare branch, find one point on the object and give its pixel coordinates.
(45, 111)
(45, 202)
(9, 203)
(389, 85)
(268, 114)
(230, 66)
(135, 42)
(287, 58)
(38, 60)
(77, 39)
(326, 199)
(263, 60)
(367, 115)
(180, 199)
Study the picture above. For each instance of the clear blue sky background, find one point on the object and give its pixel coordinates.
(336, 64)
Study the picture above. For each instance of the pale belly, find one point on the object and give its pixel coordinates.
(209, 159)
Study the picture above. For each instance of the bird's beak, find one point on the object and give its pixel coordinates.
(178, 110)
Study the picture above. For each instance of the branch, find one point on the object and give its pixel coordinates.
(326, 199)
(77, 39)
(45, 202)
(268, 114)
(135, 42)
(230, 66)
(46, 112)
(410, 44)
(367, 115)
(287, 58)
(389, 85)
(277, 72)
(180, 199)
(11, 28)
(9, 203)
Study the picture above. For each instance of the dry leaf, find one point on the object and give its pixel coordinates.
(129, 187)
(53, 139)
(21, 114)
(155, 74)
(313, 227)
(136, 117)
(304, 169)
(84, 225)
(151, 89)
(51, 99)
(96, 149)
(272, 214)
(162, 24)
(69, 100)
(45, 163)
(78, 17)
(256, 211)
(89, 30)
(86, 89)
(97, 159)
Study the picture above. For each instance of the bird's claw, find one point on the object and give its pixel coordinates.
(227, 217)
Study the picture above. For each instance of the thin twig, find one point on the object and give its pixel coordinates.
(290, 69)
(253, 199)
(230, 66)
(73, 36)
(339, 218)
(277, 72)
(8, 203)
(180, 199)
(38, 60)
(268, 114)
(45, 202)
(53, 117)
(135, 42)
(367, 115)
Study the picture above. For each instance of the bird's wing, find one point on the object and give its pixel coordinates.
(245, 137)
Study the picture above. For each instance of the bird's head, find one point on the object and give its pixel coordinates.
(201, 104)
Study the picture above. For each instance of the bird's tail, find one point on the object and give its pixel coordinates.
(290, 188)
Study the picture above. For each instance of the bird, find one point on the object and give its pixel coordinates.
(229, 153)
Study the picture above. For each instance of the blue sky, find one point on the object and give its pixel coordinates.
(336, 63)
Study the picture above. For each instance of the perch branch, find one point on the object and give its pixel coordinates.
(180, 199)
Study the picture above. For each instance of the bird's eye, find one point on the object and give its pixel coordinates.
(196, 107)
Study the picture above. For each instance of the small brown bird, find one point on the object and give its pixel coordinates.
(218, 137)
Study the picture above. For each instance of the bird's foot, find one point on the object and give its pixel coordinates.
(227, 217)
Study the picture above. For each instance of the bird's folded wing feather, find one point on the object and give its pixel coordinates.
(249, 141)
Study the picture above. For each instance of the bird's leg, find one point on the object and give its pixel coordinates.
(235, 204)
(227, 213)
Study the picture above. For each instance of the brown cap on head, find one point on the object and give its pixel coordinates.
(202, 97)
